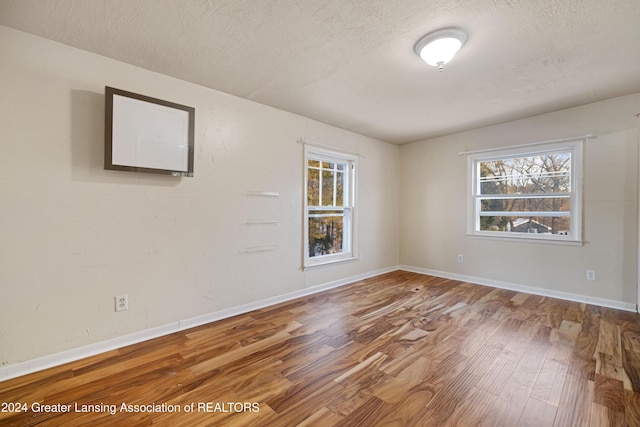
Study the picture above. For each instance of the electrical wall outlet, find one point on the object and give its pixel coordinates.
(591, 275)
(122, 302)
(460, 258)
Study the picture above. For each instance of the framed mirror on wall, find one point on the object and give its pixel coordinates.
(144, 134)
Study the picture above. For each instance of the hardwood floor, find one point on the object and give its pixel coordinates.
(400, 349)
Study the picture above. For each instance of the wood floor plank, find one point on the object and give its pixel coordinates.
(496, 377)
(321, 418)
(503, 335)
(632, 408)
(233, 355)
(574, 408)
(537, 413)
(347, 399)
(609, 342)
(583, 358)
(410, 410)
(602, 416)
(529, 366)
(607, 365)
(550, 382)
(562, 341)
(452, 393)
(518, 299)
(399, 349)
(472, 409)
(609, 392)
(508, 406)
(631, 362)
(520, 340)
(368, 414)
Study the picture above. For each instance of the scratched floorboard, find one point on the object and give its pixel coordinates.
(397, 349)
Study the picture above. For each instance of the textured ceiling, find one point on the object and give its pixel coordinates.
(350, 63)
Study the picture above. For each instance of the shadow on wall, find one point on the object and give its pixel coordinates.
(630, 215)
(87, 146)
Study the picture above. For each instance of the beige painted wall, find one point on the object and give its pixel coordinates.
(72, 235)
(434, 199)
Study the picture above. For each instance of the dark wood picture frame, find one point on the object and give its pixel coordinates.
(145, 134)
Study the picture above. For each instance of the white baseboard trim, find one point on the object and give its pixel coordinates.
(29, 366)
(523, 288)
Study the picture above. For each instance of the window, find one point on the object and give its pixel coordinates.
(329, 206)
(528, 192)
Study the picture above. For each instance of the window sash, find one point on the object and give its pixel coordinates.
(338, 176)
(342, 243)
(526, 213)
(527, 182)
(571, 171)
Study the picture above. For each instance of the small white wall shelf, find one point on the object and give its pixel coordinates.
(252, 193)
(260, 221)
(255, 249)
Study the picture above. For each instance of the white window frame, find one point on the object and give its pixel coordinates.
(474, 203)
(349, 205)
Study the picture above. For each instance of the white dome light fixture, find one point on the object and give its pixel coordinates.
(439, 47)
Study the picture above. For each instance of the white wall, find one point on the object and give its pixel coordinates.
(434, 199)
(72, 235)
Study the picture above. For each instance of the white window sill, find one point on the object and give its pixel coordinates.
(329, 262)
(527, 238)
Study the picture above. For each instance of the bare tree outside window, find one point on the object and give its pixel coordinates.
(526, 194)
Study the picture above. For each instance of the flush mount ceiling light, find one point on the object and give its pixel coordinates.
(439, 47)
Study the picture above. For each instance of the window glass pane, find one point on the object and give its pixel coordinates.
(537, 225)
(325, 234)
(339, 188)
(313, 187)
(314, 163)
(546, 173)
(546, 204)
(340, 166)
(328, 165)
(327, 188)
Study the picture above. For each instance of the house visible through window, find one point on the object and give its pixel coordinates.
(528, 192)
(329, 206)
